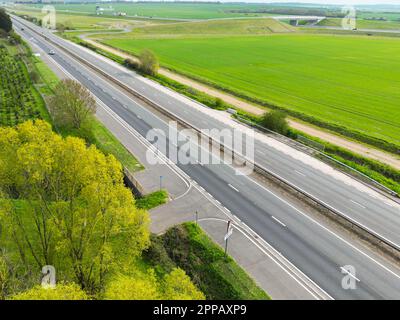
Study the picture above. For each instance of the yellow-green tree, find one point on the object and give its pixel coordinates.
(139, 287)
(67, 291)
(79, 211)
(173, 286)
(178, 286)
(4, 275)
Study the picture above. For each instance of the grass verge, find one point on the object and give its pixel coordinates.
(152, 200)
(189, 248)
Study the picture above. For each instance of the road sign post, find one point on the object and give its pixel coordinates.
(229, 231)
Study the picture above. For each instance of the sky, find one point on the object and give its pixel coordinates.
(348, 2)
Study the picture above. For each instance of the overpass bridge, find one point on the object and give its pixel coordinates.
(294, 20)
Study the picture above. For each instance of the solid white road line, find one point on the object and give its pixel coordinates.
(277, 220)
(350, 274)
(300, 173)
(233, 187)
(358, 204)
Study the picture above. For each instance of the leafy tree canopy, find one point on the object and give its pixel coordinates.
(67, 291)
(78, 213)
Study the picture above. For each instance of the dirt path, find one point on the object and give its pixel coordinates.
(359, 148)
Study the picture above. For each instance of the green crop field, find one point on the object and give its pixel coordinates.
(169, 10)
(352, 81)
(86, 22)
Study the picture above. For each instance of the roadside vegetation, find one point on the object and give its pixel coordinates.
(188, 247)
(152, 200)
(65, 205)
(19, 99)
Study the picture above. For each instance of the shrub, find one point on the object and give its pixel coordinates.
(157, 256)
(275, 121)
(219, 104)
(148, 62)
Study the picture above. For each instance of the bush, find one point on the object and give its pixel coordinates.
(275, 121)
(219, 104)
(148, 62)
(158, 257)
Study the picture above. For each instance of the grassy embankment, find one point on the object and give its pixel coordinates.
(189, 248)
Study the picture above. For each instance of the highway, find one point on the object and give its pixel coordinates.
(383, 217)
(314, 249)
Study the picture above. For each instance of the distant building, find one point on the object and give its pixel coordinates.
(101, 10)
